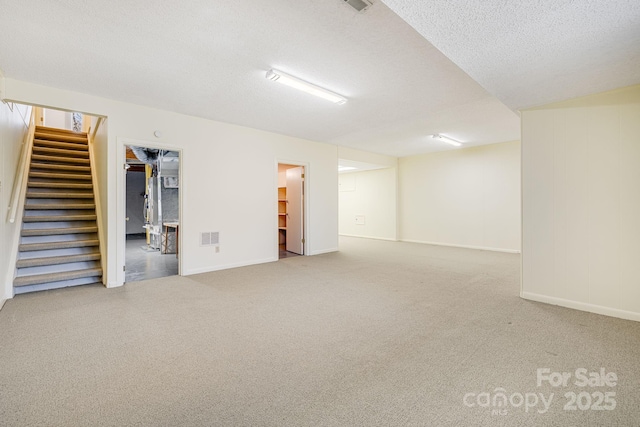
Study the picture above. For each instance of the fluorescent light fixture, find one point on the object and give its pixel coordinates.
(446, 139)
(346, 168)
(286, 79)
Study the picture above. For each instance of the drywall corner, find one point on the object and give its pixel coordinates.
(1, 85)
(360, 156)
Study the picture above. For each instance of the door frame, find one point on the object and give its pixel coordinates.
(305, 205)
(121, 201)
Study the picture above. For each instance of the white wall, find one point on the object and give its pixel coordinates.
(581, 203)
(14, 120)
(228, 183)
(57, 119)
(372, 195)
(467, 197)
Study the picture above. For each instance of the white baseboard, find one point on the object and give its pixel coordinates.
(114, 285)
(323, 251)
(482, 248)
(2, 301)
(583, 306)
(227, 266)
(369, 237)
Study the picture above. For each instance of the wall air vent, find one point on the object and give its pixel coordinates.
(209, 238)
(359, 5)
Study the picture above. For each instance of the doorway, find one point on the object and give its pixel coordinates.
(291, 226)
(61, 119)
(152, 218)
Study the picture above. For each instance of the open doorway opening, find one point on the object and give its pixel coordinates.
(291, 236)
(61, 119)
(152, 213)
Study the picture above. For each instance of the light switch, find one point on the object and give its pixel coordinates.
(360, 219)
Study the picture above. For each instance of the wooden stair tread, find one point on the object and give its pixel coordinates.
(59, 195)
(47, 129)
(25, 247)
(74, 146)
(60, 184)
(58, 206)
(55, 260)
(54, 175)
(56, 277)
(60, 151)
(55, 136)
(58, 231)
(37, 165)
(58, 159)
(58, 218)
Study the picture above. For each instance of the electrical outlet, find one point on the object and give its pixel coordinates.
(359, 219)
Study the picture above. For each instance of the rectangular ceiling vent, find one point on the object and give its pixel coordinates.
(209, 238)
(359, 5)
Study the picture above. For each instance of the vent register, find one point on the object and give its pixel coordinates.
(359, 5)
(210, 238)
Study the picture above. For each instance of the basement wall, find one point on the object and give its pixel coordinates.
(581, 203)
(14, 126)
(228, 185)
(367, 204)
(370, 194)
(468, 197)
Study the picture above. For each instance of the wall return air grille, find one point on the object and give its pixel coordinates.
(209, 238)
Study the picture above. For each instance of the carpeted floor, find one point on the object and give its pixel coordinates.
(379, 334)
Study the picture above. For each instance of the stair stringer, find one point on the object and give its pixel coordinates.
(97, 200)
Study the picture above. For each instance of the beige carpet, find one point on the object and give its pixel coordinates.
(379, 334)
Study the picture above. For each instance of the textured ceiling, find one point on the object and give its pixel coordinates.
(534, 52)
(208, 59)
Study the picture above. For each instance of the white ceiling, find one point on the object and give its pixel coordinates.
(209, 58)
(534, 52)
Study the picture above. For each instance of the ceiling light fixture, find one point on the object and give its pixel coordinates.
(446, 139)
(284, 78)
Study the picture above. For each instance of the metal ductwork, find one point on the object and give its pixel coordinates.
(146, 155)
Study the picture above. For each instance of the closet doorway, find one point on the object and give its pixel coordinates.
(152, 220)
(291, 226)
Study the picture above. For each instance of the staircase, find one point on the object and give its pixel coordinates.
(59, 244)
